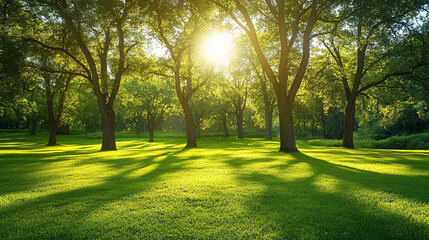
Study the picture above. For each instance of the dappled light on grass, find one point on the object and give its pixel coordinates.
(226, 188)
(327, 183)
(396, 162)
(392, 203)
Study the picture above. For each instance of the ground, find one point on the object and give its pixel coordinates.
(224, 189)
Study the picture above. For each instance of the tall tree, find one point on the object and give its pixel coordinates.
(361, 44)
(177, 26)
(293, 23)
(269, 98)
(238, 92)
(99, 29)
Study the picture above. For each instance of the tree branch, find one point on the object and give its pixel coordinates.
(62, 50)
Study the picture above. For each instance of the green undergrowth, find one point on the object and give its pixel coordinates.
(163, 134)
(224, 189)
(415, 141)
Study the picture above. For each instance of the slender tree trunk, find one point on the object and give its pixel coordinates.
(349, 122)
(287, 135)
(225, 124)
(151, 131)
(268, 110)
(33, 124)
(52, 122)
(138, 126)
(313, 127)
(108, 120)
(240, 124)
(298, 130)
(322, 117)
(305, 128)
(268, 122)
(190, 126)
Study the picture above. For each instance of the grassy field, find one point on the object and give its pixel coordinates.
(225, 189)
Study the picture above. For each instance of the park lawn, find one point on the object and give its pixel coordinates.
(225, 189)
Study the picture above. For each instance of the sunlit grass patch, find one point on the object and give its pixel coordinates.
(226, 188)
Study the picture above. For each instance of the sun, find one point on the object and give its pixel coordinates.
(218, 48)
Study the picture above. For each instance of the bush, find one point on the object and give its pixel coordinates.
(416, 141)
(325, 142)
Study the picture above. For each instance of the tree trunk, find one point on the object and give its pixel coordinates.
(298, 130)
(225, 124)
(52, 122)
(322, 117)
(138, 127)
(313, 127)
(349, 123)
(151, 131)
(33, 124)
(140, 124)
(268, 110)
(108, 120)
(287, 135)
(52, 134)
(268, 122)
(305, 128)
(190, 127)
(240, 124)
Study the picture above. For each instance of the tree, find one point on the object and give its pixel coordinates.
(55, 86)
(238, 90)
(177, 26)
(99, 30)
(54, 71)
(149, 99)
(363, 42)
(269, 98)
(292, 21)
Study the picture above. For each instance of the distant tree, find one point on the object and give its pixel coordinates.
(177, 26)
(269, 100)
(238, 92)
(149, 99)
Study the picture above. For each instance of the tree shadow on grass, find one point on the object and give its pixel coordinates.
(29, 158)
(301, 196)
(72, 209)
(335, 201)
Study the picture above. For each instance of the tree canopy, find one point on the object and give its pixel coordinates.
(316, 68)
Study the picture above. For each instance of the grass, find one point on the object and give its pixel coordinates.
(225, 189)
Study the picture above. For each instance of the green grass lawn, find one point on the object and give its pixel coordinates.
(225, 189)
